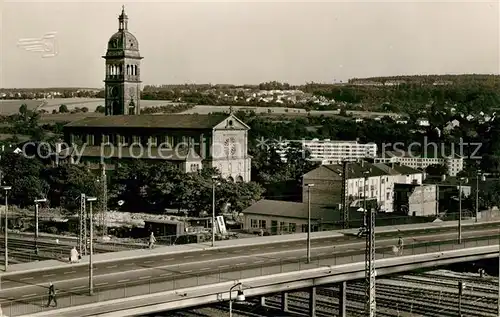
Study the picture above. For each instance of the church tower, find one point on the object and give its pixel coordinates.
(123, 70)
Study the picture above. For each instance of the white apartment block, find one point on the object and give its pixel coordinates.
(453, 164)
(332, 152)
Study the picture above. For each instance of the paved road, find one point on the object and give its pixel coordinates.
(147, 263)
(185, 266)
(193, 274)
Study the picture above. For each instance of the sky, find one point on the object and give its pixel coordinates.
(236, 42)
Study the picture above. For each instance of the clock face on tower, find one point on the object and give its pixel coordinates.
(113, 91)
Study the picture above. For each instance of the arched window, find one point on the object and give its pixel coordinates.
(230, 179)
(239, 179)
(128, 69)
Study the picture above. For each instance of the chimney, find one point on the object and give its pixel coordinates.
(362, 163)
(443, 177)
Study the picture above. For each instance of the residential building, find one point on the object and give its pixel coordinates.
(365, 181)
(190, 142)
(332, 152)
(437, 195)
(423, 122)
(454, 164)
(281, 217)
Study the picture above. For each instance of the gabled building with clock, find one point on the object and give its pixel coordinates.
(189, 141)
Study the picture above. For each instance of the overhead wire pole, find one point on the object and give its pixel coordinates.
(104, 203)
(343, 198)
(370, 273)
(83, 226)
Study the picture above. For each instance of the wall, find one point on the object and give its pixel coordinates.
(492, 213)
(324, 192)
(428, 208)
(230, 150)
(299, 223)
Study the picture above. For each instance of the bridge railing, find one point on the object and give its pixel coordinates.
(175, 277)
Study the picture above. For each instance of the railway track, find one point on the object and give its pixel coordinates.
(488, 289)
(324, 307)
(470, 280)
(394, 300)
(111, 245)
(427, 303)
(22, 250)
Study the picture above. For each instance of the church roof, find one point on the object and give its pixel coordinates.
(171, 121)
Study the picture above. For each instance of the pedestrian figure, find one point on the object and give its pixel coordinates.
(481, 273)
(152, 240)
(74, 256)
(400, 246)
(52, 295)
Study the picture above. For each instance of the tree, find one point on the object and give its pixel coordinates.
(23, 111)
(100, 109)
(23, 174)
(157, 186)
(437, 170)
(67, 183)
(63, 109)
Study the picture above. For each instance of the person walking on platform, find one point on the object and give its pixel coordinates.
(52, 295)
(152, 240)
(400, 246)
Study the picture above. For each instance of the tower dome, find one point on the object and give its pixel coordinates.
(123, 42)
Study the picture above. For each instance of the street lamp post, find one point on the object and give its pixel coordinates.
(460, 180)
(498, 301)
(91, 251)
(6, 189)
(309, 222)
(214, 178)
(239, 298)
(478, 174)
(37, 202)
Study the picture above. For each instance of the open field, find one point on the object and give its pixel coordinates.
(12, 106)
(205, 109)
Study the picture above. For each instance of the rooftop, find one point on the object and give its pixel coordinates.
(291, 210)
(170, 121)
(431, 152)
(360, 170)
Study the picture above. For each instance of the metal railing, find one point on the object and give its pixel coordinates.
(174, 278)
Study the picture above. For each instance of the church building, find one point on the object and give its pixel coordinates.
(189, 141)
